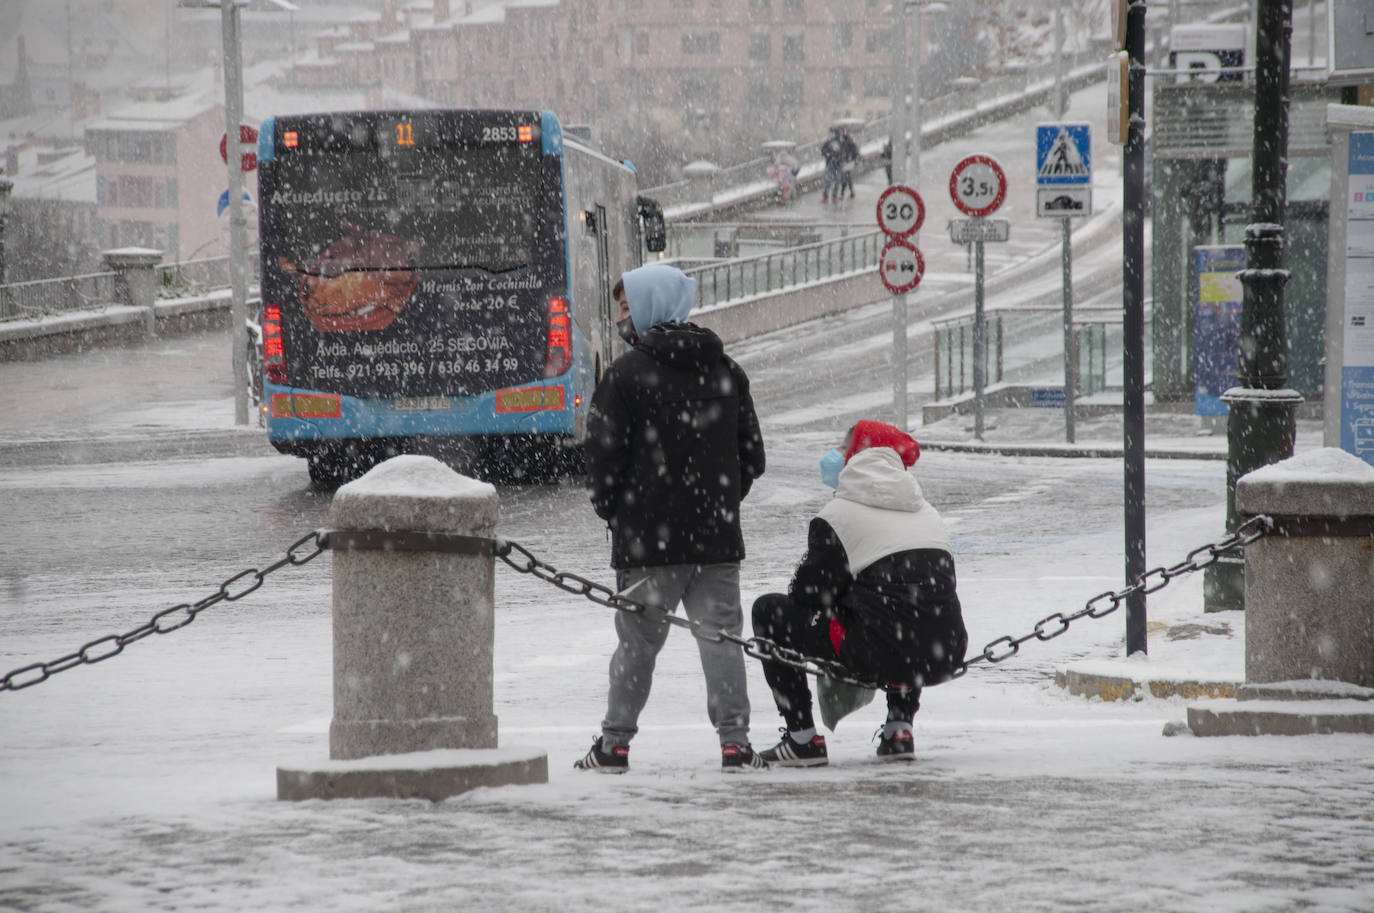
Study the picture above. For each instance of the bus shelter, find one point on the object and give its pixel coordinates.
(1202, 143)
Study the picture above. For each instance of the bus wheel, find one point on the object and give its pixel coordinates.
(327, 471)
(574, 458)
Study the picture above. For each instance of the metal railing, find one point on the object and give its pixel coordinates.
(1036, 350)
(786, 269)
(720, 240)
(959, 108)
(192, 276)
(97, 291)
(49, 297)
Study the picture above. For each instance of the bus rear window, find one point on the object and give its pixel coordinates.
(451, 208)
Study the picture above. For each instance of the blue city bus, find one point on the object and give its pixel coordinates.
(438, 281)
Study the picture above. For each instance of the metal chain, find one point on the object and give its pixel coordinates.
(524, 561)
(996, 651)
(760, 648)
(1104, 604)
(166, 621)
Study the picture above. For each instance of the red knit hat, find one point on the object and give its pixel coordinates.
(868, 434)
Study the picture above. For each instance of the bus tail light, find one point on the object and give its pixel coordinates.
(273, 352)
(560, 351)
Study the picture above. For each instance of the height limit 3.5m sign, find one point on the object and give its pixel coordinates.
(900, 266)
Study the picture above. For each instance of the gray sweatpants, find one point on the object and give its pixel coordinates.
(709, 595)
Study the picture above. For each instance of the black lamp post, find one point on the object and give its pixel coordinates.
(1261, 425)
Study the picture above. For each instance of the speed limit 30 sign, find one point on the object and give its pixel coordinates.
(901, 266)
(977, 185)
(901, 211)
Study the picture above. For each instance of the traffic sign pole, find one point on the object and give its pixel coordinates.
(1063, 178)
(900, 215)
(1070, 375)
(1133, 329)
(980, 341)
(978, 185)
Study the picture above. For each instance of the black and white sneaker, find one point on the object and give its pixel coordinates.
(614, 761)
(900, 747)
(788, 753)
(740, 757)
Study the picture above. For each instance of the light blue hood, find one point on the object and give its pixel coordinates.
(658, 293)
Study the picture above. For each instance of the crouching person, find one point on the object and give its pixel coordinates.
(875, 591)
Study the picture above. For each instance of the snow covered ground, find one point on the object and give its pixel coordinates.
(147, 782)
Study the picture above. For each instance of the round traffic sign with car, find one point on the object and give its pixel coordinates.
(900, 266)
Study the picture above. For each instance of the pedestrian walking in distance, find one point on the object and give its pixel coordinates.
(875, 590)
(832, 152)
(673, 446)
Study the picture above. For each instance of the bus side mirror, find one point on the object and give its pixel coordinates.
(655, 231)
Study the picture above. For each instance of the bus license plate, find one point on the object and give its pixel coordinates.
(422, 403)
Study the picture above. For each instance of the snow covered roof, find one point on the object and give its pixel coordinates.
(156, 115)
(69, 175)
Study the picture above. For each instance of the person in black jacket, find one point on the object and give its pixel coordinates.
(876, 591)
(849, 155)
(673, 446)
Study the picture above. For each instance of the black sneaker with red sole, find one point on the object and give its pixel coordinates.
(740, 757)
(900, 747)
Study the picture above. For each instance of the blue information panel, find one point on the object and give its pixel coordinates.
(1357, 362)
(1216, 324)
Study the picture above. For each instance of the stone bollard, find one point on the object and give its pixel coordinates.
(1309, 584)
(136, 282)
(701, 180)
(1309, 602)
(414, 595)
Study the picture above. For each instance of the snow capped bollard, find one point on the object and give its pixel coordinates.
(1309, 584)
(1309, 602)
(701, 178)
(414, 593)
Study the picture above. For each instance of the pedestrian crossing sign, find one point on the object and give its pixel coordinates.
(1063, 155)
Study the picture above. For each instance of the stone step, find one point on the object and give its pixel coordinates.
(1281, 717)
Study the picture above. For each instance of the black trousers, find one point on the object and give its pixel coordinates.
(777, 618)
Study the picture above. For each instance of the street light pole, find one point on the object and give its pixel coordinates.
(897, 123)
(233, 154)
(914, 147)
(1261, 423)
(1060, 103)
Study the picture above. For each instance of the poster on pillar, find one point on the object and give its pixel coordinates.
(1357, 362)
(1217, 299)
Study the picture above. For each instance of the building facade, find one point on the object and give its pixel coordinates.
(671, 79)
(158, 177)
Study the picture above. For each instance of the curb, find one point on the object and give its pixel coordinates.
(1126, 687)
(176, 445)
(1065, 450)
